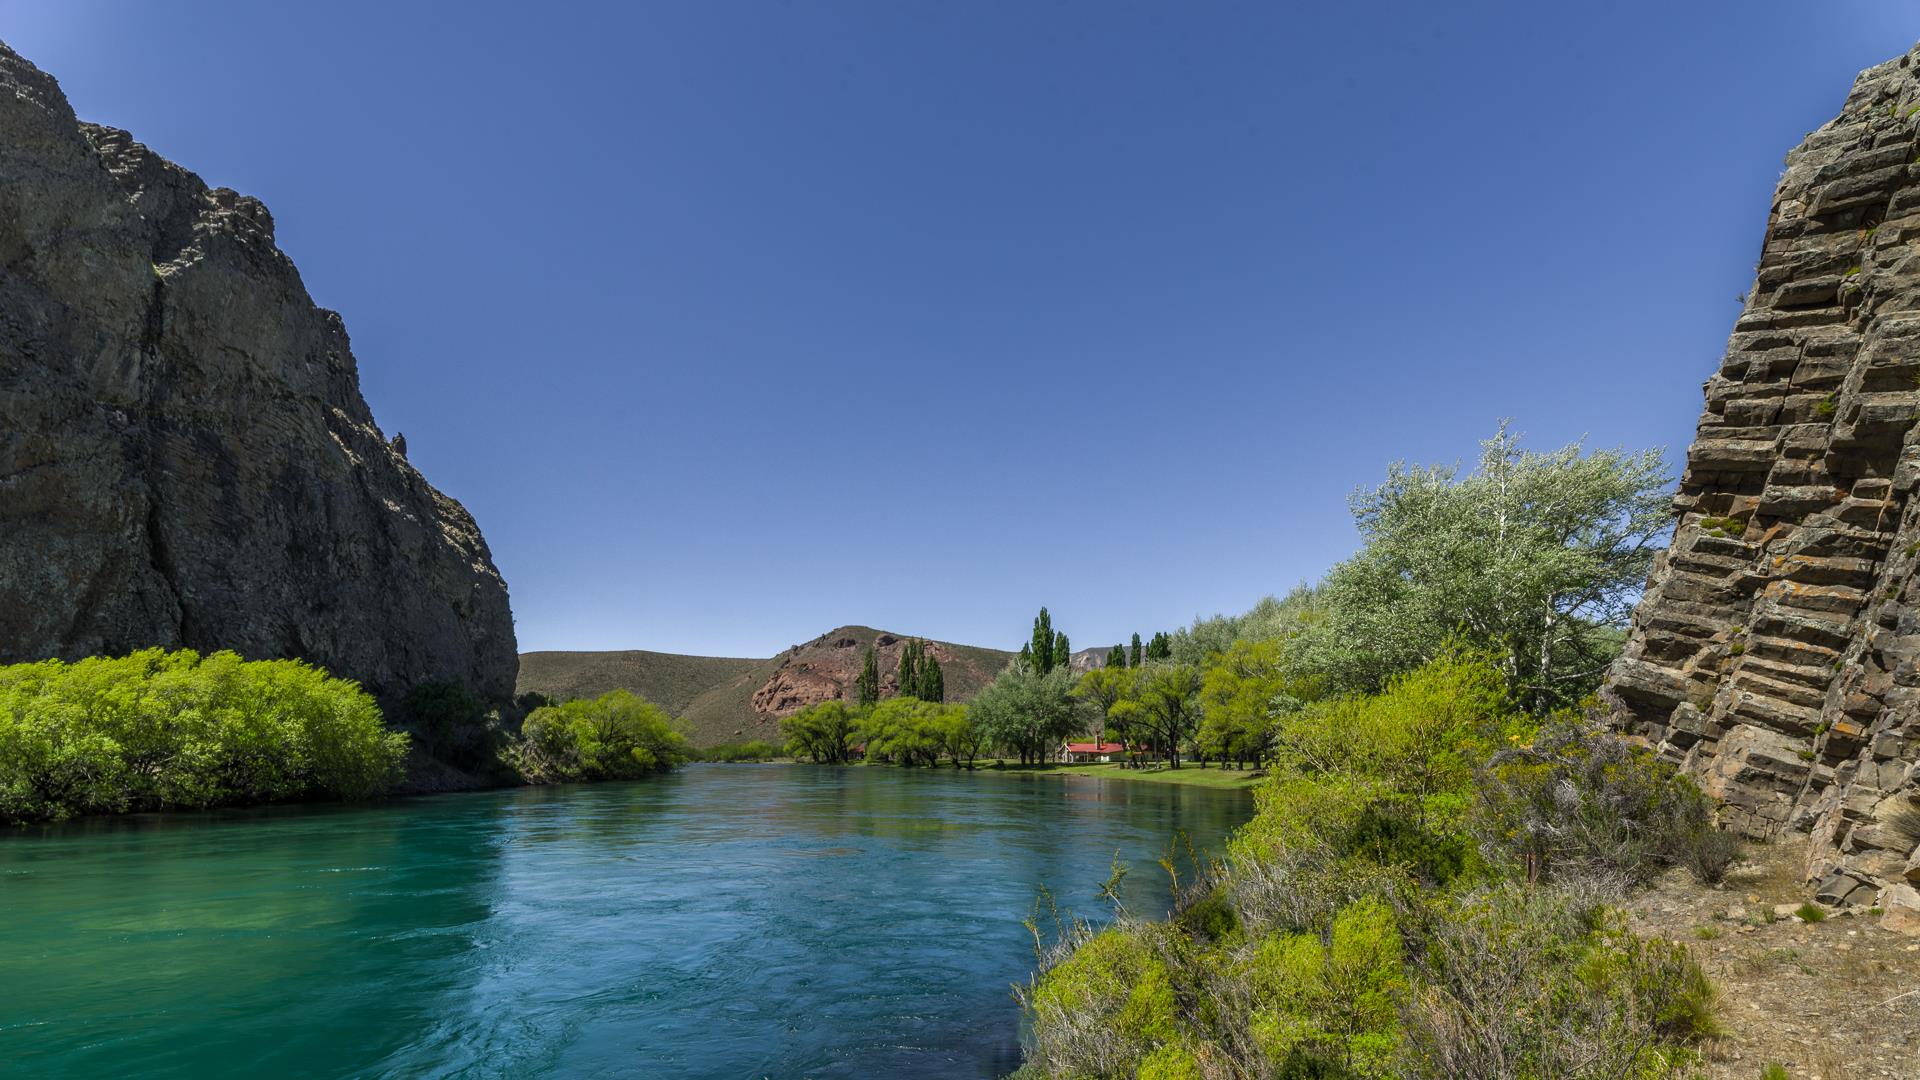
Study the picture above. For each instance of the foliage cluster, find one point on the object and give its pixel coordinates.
(175, 730)
(1377, 917)
(920, 674)
(616, 736)
(908, 731)
(751, 750)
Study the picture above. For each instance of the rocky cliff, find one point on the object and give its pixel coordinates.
(1776, 653)
(185, 457)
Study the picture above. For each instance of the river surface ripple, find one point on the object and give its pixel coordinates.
(724, 921)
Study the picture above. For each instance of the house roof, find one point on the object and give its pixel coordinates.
(1094, 748)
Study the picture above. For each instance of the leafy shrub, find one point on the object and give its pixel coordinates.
(1544, 982)
(1329, 1007)
(1106, 1007)
(1579, 799)
(616, 736)
(1356, 930)
(158, 730)
(752, 750)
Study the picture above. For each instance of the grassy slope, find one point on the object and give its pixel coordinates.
(666, 679)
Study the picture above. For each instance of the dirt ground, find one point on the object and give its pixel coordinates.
(1837, 999)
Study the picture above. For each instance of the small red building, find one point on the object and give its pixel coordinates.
(1086, 753)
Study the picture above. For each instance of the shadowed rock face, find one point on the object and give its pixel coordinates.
(185, 457)
(1776, 653)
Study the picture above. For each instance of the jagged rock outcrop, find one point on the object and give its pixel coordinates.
(1776, 653)
(185, 457)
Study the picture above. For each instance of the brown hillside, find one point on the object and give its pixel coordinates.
(669, 680)
(723, 699)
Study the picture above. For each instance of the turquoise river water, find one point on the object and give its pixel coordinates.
(724, 921)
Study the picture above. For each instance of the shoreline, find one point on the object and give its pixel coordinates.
(1213, 777)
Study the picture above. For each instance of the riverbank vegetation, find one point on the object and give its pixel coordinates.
(1429, 887)
(162, 730)
(616, 736)
(1425, 891)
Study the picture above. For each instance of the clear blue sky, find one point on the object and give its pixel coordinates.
(734, 322)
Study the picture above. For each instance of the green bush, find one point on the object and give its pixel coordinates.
(1580, 799)
(1357, 929)
(158, 730)
(752, 750)
(616, 736)
(1516, 981)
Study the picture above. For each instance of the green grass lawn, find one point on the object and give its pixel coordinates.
(1213, 776)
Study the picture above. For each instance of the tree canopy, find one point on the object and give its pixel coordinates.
(1535, 556)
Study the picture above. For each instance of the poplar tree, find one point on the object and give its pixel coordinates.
(910, 668)
(1117, 656)
(1062, 652)
(867, 686)
(1040, 655)
(933, 682)
(1135, 662)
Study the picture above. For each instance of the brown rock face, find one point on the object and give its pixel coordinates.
(185, 457)
(1775, 651)
(826, 668)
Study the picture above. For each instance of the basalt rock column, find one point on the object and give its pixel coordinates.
(1775, 652)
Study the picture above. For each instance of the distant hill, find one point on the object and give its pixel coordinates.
(669, 680)
(724, 699)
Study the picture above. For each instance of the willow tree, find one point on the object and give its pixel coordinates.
(1536, 557)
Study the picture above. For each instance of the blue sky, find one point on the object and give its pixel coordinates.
(735, 322)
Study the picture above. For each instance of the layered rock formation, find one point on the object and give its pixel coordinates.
(185, 457)
(1776, 653)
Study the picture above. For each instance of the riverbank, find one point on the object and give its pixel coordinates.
(1220, 779)
(1214, 777)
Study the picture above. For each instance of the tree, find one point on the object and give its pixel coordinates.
(904, 730)
(1162, 707)
(1062, 651)
(1117, 657)
(1537, 557)
(867, 686)
(933, 682)
(1103, 688)
(1134, 660)
(822, 733)
(1161, 647)
(1028, 712)
(1272, 619)
(1242, 693)
(1039, 652)
(962, 734)
(909, 673)
(616, 736)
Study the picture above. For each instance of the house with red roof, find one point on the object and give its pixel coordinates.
(1086, 753)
